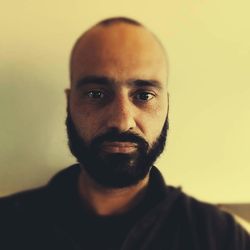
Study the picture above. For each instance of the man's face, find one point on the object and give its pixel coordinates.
(117, 104)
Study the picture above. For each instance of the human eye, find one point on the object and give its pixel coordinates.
(144, 96)
(95, 94)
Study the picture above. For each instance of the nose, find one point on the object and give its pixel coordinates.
(121, 115)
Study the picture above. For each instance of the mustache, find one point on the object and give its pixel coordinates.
(115, 136)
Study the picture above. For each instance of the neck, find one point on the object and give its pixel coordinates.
(109, 201)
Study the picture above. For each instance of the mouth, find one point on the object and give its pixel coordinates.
(119, 147)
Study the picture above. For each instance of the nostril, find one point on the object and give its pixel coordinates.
(122, 121)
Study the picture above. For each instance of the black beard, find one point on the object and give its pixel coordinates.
(115, 170)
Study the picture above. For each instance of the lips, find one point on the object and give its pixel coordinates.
(119, 147)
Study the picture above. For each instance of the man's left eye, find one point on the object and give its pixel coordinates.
(144, 96)
(95, 94)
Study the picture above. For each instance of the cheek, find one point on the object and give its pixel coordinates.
(85, 122)
(153, 122)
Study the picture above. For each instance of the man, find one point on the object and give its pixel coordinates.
(114, 198)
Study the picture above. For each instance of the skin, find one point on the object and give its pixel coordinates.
(120, 53)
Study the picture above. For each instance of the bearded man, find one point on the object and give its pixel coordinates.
(114, 197)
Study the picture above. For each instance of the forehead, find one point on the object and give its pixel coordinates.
(120, 51)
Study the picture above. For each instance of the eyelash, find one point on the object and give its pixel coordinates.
(147, 93)
(91, 94)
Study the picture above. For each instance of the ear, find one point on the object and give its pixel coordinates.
(67, 93)
(168, 102)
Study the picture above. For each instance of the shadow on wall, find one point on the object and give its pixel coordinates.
(29, 111)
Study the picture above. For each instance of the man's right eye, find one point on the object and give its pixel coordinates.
(95, 94)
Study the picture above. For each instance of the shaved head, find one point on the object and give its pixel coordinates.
(121, 31)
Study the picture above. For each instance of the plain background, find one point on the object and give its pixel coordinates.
(208, 43)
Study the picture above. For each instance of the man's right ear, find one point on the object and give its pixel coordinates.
(67, 93)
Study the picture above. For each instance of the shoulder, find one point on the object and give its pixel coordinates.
(20, 202)
(20, 213)
(193, 211)
(201, 210)
(40, 201)
(39, 197)
(208, 222)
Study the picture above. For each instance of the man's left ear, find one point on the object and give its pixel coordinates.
(168, 102)
(67, 94)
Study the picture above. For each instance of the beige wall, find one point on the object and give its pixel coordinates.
(209, 49)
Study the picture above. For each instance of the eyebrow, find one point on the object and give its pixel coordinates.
(145, 83)
(103, 80)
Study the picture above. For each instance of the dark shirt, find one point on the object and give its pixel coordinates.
(53, 217)
(103, 232)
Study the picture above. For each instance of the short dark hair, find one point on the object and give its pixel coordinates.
(114, 20)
